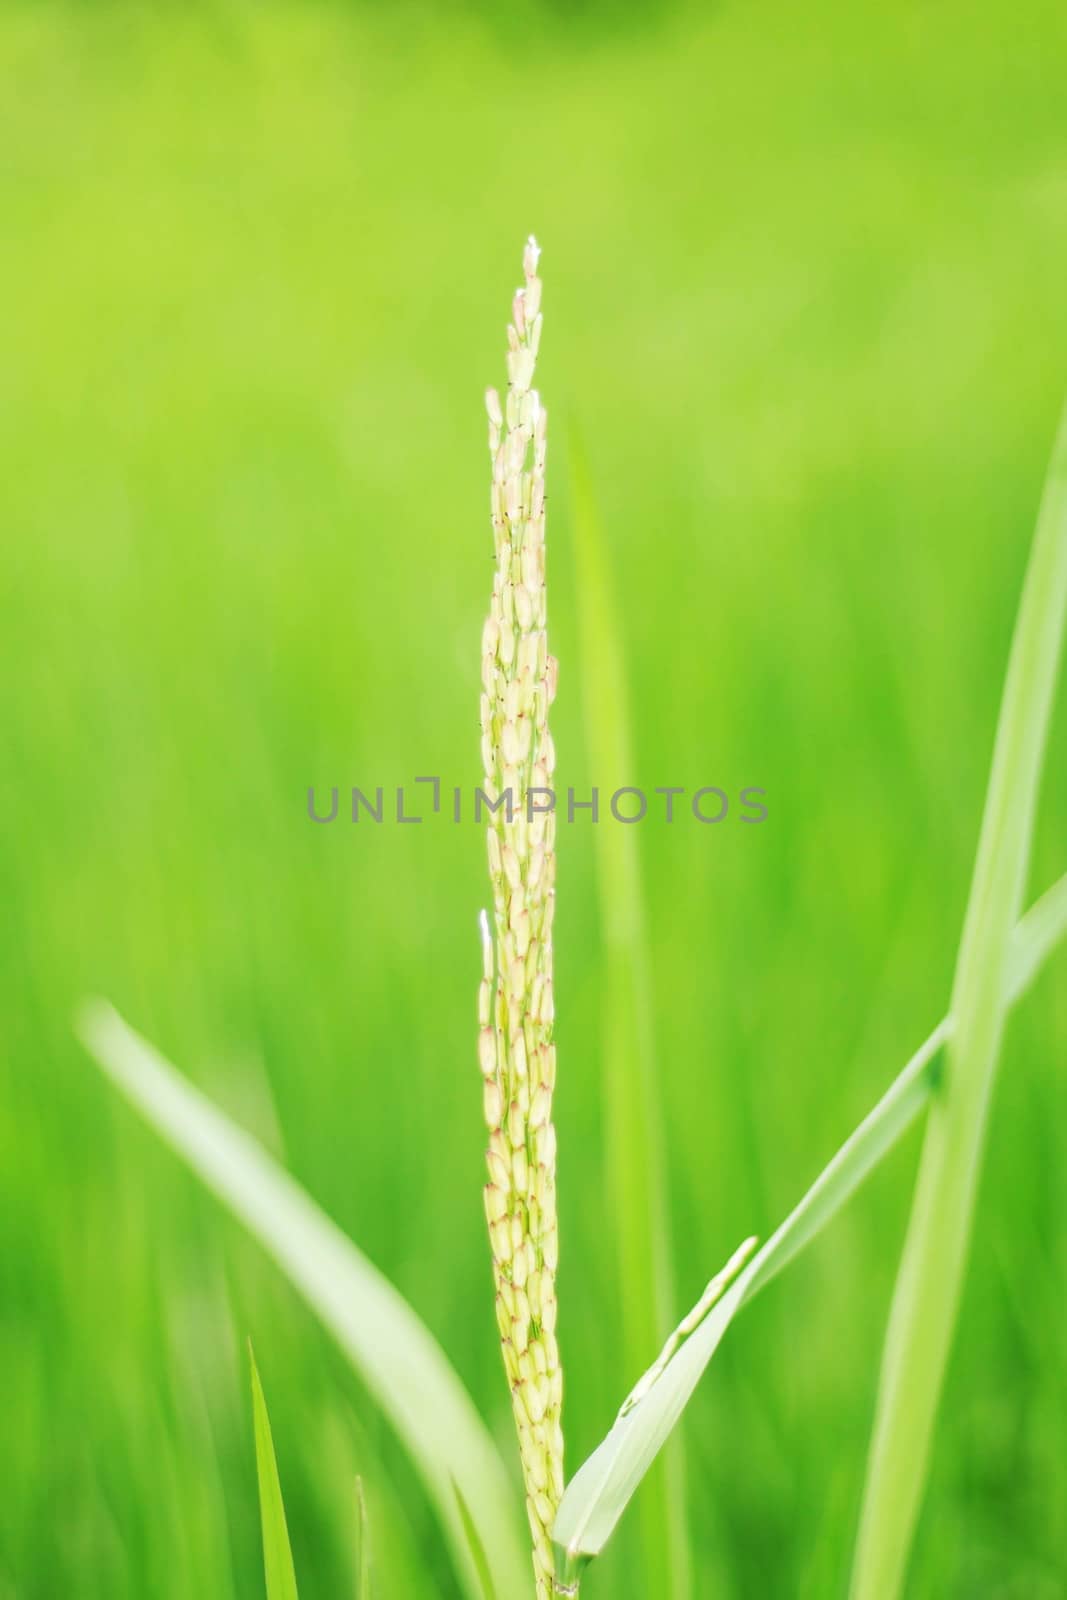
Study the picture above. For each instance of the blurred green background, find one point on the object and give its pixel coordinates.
(804, 288)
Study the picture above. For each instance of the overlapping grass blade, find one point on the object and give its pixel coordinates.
(633, 1117)
(389, 1346)
(930, 1280)
(1036, 936)
(277, 1554)
(601, 1490)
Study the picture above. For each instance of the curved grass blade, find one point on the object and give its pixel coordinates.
(389, 1346)
(602, 1488)
(929, 1282)
(277, 1555)
(633, 1116)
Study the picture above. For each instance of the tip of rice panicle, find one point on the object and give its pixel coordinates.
(531, 256)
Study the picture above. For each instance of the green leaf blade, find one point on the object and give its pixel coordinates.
(391, 1349)
(363, 1547)
(600, 1491)
(602, 1488)
(277, 1554)
(477, 1550)
(930, 1279)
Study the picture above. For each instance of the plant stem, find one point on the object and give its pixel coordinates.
(927, 1294)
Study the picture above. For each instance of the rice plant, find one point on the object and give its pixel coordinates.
(515, 1003)
(466, 1478)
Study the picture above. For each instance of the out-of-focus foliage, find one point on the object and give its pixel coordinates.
(804, 270)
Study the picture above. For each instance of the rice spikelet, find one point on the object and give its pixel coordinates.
(516, 1052)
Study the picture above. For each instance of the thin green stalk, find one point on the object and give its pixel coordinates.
(927, 1294)
(639, 1202)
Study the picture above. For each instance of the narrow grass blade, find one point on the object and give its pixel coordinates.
(926, 1299)
(477, 1552)
(392, 1350)
(601, 1490)
(277, 1556)
(363, 1550)
(639, 1202)
(1035, 938)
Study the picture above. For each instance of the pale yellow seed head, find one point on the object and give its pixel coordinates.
(493, 1104)
(515, 1003)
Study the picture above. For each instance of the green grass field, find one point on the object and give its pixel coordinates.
(804, 293)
